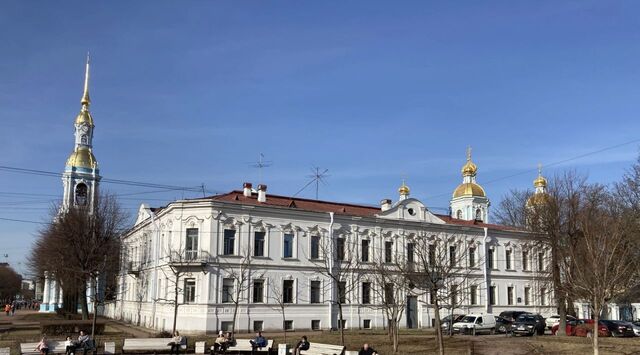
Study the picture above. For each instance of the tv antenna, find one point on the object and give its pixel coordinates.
(317, 176)
(261, 164)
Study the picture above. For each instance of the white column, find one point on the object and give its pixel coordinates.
(53, 295)
(60, 297)
(45, 293)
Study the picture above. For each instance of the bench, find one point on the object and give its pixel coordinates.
(244, 345)
(109, 347)
(153, 345)
(323, 349)
(5, 351)
(55, 347)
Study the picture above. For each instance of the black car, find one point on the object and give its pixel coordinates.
(618, 329)
(446, 322)
(512, 315)
(503, 325)
(528, 324)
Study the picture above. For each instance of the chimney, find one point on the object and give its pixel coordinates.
(385, 204)
(262, 193)
(246, 189)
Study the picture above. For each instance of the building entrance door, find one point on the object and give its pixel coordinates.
(412, 312)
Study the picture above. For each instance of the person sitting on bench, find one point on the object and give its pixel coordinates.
(258, 342)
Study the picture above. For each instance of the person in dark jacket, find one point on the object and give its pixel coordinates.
(303, 344)
(367, 350)
(258, 342)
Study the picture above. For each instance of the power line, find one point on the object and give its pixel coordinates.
(22, 221)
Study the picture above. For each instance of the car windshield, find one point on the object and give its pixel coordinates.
(468, 319)
(526, 318)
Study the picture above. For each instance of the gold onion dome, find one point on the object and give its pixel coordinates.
(469, 169)
(82, 158)
(469, 189)
(404, 189)
(540, 181)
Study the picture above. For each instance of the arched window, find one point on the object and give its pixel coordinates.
(81, 194)
(459, 214)
(479, 214)
(83, 139)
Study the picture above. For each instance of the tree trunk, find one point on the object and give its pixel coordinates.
(557, 287)
(235, 315)
(396, 337)
(95, 309)
(83, 300)
(596, 318)
(340, 324)
(284, 328)
(175, 307)
(436, 314)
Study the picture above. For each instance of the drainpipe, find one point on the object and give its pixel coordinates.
(486, 271)
(330, 261)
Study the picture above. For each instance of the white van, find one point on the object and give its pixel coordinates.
(476, 324)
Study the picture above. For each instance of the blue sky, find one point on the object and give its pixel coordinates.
(191, 92)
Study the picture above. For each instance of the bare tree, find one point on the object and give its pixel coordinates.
(441, 266)
(280, 303)
(241, 272)
(338, 259)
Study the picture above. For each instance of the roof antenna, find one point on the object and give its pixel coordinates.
(316, 176)
(261, 164)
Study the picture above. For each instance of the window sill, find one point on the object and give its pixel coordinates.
(261, 257)
(232, 256)
(511, 270)
(290, 259)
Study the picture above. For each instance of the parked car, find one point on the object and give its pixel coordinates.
(618, 328)
(585, 328)
(528, 324)
(475, 324)
(635, 326)
(446, 321)
(512, 315)
(570, 329)
(550, 321)
(503, 325)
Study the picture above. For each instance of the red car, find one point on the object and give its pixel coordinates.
(586, 327)
(570, 329)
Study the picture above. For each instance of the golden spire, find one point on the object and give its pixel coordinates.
(469, 169)
(404, 189)
(85, 101)
(540, 181)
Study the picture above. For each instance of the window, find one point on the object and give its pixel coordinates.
(229, 241)
(473, 295)
(510, 295)
(315, 292)
(472, 257)
(287, 291)
(479, 214)
(410, 251)
(258, 291)
(287, 247)
(432, 254)
(342, 292)
(366, 323)
(507, 257)
(81, 194)
(227, 290)
(226, 326)
(525, 260)
(315, 324)
(543, 296)
(388, 251)
(388, 294)
(527, 296)
(189, 290)
(192, 244)
(432, 296)
(452, 256)
(492, 295)
(365, 250)
(340, 249)
(258, 243)
(342, 324)
(288, 325)
(540, 261)
(366, 293)
(315, 247)
(454, 295)
(258, 325)
(459, 214)
(490, 258)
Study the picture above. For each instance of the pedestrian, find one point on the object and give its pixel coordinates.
(175, 343)
(367, 350)
(43, 346)
(258, 342)
(303, 344)
(7, 309)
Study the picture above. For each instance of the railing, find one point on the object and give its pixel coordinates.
(189, 257)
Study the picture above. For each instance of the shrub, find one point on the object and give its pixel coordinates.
(66, 327)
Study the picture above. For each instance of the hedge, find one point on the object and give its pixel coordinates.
(67, 327)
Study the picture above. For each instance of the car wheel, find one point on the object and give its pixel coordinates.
(502, 329)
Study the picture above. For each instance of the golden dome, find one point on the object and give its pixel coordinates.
(82, 158)
(469, 189)
(404, 189)
(540, 181)
(469, 168)
(84, 117)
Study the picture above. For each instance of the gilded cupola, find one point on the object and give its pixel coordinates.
(469, 187)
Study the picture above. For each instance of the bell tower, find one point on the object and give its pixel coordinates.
(81, 174)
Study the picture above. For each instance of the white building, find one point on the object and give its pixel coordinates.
(204, 236)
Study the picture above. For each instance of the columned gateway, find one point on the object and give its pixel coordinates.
(80, 184)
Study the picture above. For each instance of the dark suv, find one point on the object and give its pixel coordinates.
(512, 315)
(528, 324)
(618, 329)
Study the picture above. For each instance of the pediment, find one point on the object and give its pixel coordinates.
(410, 209)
